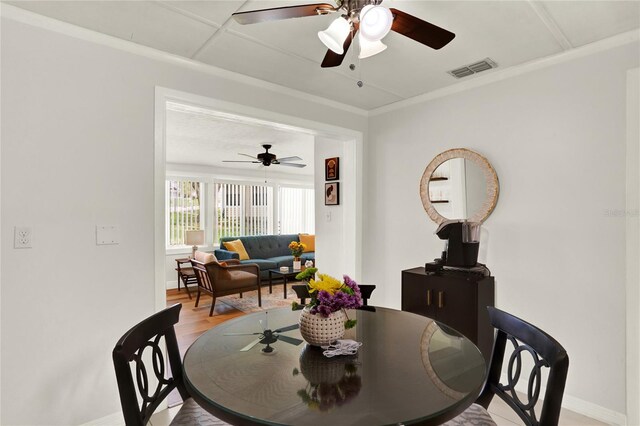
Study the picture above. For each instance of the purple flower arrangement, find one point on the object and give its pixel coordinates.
(329, 295)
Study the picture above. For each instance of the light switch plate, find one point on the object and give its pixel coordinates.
(107, 235)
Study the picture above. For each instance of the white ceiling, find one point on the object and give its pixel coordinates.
(200, 137)
(289, 53)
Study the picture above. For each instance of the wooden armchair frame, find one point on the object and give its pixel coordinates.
(216, 279)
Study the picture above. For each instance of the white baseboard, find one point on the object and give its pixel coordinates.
(114, 419)
(172, 284)
(594, 411)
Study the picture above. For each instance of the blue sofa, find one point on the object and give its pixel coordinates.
(267, 251)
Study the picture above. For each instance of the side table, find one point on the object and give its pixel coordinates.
(185, 274)
(290, 273)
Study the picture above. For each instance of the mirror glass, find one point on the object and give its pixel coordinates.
(457, 188)
(459, 184)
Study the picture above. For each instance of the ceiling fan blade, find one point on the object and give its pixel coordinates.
(419, 30)
(240, 334)
(240, 161)
(288, 339)
(247, 155)
(287, 328)
(290, 164)
(285, 159)
(277, 13)
(332, 59)
(250, 345)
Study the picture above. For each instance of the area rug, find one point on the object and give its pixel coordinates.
(249, 301)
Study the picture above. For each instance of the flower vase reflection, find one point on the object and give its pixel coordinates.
(331, 382)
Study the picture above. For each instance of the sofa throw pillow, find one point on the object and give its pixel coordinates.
(238, 247)
(309, 241)
(203, 257)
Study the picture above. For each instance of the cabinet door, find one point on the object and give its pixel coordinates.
(454, 301)
(417, 296)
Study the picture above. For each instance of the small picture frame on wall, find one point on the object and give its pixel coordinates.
(332, 194)
(332, 168)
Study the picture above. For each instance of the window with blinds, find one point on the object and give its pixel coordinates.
(235, 210)
(243, 210)
(184, 208)
(296, 210)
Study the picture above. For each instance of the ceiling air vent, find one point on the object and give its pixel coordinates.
(476, 67)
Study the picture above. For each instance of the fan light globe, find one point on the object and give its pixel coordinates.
(334, 36)
(375, 22)
(369, 48)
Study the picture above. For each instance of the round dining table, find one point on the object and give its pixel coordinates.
(410, 369)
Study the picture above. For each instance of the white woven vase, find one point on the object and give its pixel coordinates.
(320, 331)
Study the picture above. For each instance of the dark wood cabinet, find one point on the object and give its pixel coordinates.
(457, 299)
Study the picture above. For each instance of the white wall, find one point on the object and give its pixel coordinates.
(330, 250)
(77, 151)
(556, 137)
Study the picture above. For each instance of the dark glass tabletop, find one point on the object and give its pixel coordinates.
(410, 370)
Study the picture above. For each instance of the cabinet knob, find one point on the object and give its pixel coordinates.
(440, 299)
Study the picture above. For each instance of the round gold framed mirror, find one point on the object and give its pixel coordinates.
(459, 184)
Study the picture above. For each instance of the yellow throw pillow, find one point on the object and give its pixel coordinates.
(309, 241)
(238, 247)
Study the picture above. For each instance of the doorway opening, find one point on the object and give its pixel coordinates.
(198, 187)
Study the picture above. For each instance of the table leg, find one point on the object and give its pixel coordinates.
(284, 280)
(270, 283)
(179, 278)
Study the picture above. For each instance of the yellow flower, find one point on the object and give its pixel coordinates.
(326, 283)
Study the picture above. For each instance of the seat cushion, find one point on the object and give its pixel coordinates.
(286, 260)
(191, 414)
(263, 264)
(230, 279)
(309, 256)
(475, 415)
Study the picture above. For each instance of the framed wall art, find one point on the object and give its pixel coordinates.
(332, 168)
(332, 194)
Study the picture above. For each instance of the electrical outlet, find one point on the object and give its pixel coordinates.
(22, 237)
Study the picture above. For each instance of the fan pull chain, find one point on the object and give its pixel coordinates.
(353, 66)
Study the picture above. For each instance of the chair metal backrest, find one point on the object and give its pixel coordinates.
(131, 349)
(545, 352)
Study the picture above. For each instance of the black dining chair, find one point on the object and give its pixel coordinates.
(130, 352)
(303, 293)
(545, 352)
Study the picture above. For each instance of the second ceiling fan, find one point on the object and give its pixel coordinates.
(266, 159)
(366, 17)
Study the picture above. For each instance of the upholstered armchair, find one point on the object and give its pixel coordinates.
(224, 278)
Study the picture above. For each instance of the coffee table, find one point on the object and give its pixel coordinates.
(290, 273)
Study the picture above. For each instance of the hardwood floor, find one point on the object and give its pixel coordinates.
(195, 321)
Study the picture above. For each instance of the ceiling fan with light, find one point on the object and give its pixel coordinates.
(371, 21)
(266, 159)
